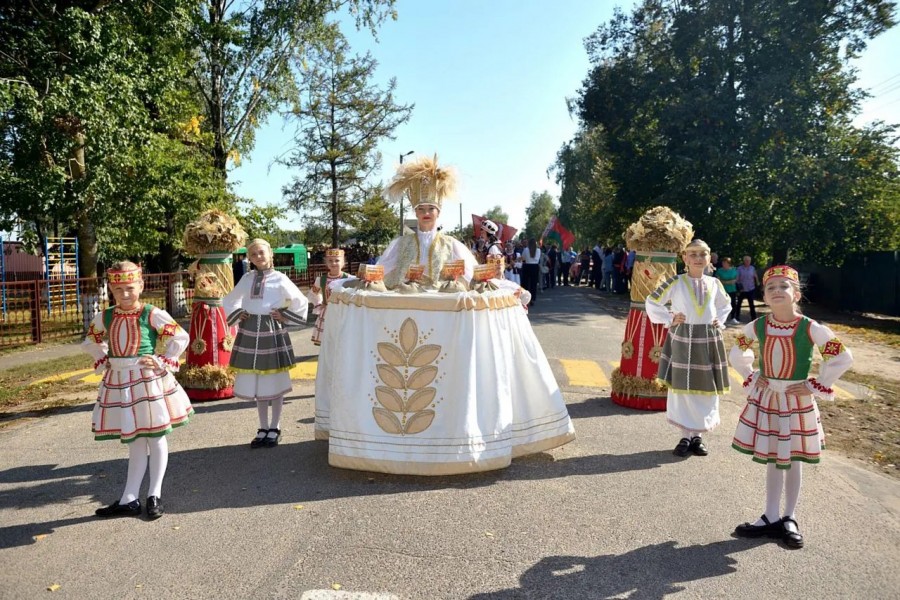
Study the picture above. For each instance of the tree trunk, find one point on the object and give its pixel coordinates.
(168, 256)
(780, 254)
(217, 92)
(87, 233)
(87, 243)
(334, 206)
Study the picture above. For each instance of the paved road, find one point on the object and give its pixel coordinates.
(612, 514)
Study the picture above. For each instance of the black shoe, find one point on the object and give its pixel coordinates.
(154, 508)
(683, 447)
(790, 533)
(271, 442)
(754, 531)
(259, 442)
(132, 509)
(698, 447)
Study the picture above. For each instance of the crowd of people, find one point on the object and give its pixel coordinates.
(538, 267)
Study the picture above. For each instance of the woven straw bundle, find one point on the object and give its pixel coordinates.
(213, 231)
(660, 229)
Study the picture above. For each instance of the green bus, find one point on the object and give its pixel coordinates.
(292, 256)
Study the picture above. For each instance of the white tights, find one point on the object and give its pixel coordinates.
(262, 408)
(776, 481)
(138, 451)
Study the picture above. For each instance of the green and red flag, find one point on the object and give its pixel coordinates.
(555, 233)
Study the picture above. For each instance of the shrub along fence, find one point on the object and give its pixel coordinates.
(867, 282)
(37, 310)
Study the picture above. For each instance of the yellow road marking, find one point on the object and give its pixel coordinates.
(305, 370)
(586, 373)
(736, 377)
(62, 376)
(842, 393)
(94, 378)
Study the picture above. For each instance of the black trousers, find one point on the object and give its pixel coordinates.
(749, 296)
(563, 276)
(531, 275)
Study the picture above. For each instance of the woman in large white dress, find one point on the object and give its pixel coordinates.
(427, 185)
(261, 303)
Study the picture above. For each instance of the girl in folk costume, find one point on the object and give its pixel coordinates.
(693, 362)
(492, 247)
(261, 302)
(780, 426)
(319, 292)
(511, 257)
(427, 185)
(139, 402)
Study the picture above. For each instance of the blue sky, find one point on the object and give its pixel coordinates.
(489, 80)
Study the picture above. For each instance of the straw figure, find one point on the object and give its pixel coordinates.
(657, 237)
(213, 238)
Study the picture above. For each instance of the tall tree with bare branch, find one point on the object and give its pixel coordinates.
(343, 118)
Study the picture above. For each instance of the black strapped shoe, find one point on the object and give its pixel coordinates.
(259, 442)
(271, 442)
(698, 447)
(132, 509)
(790, 533)
(154, 508)
(753, 531)
(683, 447)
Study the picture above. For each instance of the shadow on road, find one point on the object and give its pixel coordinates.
(650, 572)
(236, 477)
(603, 407)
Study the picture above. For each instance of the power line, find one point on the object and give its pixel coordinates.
(885, 82)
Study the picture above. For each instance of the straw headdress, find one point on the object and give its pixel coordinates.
(424, 181)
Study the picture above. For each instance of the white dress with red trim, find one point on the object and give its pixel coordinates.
(776, 427)
(318, 296)
(136, 401)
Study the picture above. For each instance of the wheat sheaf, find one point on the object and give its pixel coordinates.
(407, 372)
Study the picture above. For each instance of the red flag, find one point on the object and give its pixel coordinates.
(555, 232)
(505, 234)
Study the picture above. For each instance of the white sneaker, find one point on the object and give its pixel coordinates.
(733, 322)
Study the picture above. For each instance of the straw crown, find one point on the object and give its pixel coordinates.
(423, 181)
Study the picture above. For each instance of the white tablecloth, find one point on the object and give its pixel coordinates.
(434, 383)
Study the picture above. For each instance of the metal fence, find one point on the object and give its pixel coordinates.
(37, 310)
(868, 282)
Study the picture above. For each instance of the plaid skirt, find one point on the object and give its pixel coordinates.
(694, 361)
(262, 358)
(778, 428)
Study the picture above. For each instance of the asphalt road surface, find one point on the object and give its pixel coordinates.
(611, 515)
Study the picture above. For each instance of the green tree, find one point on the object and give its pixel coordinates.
(540, 210)
(89, 90)
(378, 221)
(496, 214)
(733, 112)
(262, 222)
(588, 202)
(247, 55)
(345, 117)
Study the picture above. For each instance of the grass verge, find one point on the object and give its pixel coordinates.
(19, 399)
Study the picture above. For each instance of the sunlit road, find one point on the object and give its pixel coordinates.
(612, 514)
